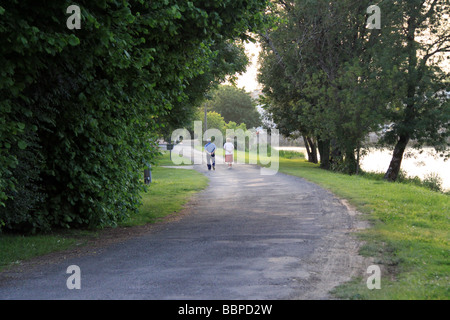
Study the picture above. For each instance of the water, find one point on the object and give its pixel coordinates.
(414, 163)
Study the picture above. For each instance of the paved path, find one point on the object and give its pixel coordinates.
(246, 236)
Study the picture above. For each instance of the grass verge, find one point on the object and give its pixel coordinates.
(168, 192)
(14, 249)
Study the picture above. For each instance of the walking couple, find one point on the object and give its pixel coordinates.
(210, 149)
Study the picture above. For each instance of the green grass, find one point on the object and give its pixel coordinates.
(169, 191)
(164, 159)
(287, 154)
(409, 237)
(14, 249)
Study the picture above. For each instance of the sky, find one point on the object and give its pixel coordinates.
(248, 80)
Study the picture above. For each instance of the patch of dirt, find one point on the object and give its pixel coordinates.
(336, 260)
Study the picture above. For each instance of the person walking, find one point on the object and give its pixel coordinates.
(229, 150)
(210, 149)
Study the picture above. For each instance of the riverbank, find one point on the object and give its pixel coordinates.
(415, 163)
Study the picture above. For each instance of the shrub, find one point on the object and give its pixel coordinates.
(433, 181)
(22, 207)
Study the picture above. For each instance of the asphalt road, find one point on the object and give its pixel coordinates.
(247, 236)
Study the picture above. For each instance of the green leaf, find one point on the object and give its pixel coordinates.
(22, 145)
(23, 40)
(73, 40)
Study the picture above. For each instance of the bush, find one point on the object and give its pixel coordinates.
(22, 208)
(79, 109)
(433, 181)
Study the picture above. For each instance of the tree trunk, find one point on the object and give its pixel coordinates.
(358, 156)
(412, 79)
(396, 161)
(336, 153)
(313, 150)
(310, 149)
(350, 161)
(324, 151)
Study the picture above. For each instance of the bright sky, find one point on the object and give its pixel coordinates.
(248, 80)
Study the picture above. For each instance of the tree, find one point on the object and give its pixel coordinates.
(228, 60)
(235, 105)
(415, 36)
(317, 77)
(216, 121)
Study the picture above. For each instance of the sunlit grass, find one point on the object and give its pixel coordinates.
(169, 191)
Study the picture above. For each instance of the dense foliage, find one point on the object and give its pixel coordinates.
(329, 77)
(79, 108)
(235, 105)
(229, 59)
(317, 79)
(215, 120)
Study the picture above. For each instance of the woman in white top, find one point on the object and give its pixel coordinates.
(229, 151)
